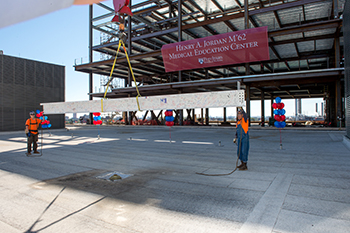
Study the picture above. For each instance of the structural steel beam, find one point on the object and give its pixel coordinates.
(183, 101)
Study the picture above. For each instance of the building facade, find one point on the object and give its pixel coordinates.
(24, 84)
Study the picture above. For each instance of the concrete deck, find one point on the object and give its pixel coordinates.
(303, 188)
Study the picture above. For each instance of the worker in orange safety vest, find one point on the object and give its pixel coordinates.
(242, 138)
(32, 125)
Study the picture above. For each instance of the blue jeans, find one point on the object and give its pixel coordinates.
(243, 144)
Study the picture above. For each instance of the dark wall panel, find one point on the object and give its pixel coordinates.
(24, 84)
(346, 29)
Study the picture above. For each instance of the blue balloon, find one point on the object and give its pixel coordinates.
(99, 118)
(283, 124)
(283, 112)
(276, 124)
(45, 117)
(95, 118)
(275, 112)
(278, 100)
(49, 125)
(169, 118)
(169, 110)
(37, 111)
(44, 126)
(41, 118)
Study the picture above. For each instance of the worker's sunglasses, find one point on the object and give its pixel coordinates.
(32, 114)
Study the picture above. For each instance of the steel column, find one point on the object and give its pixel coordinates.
(262, 109)
(207, 116)
(129, 53)
(246, 26)
(338, 100)
(179, 31)
(225, 115)
(90, 57)
(247, 92)
(202, 116)
(271, 106)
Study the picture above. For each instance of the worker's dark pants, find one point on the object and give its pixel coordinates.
(33, 138)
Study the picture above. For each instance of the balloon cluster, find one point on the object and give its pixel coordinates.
(45, 123)
(279, 113)
(97, 118)
(169, 119)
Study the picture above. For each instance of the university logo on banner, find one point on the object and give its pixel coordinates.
(225, 49)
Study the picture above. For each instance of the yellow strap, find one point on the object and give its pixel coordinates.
(132, 73)
(115, 61)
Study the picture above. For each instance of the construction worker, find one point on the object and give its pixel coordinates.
(242, 138)
(32, 125)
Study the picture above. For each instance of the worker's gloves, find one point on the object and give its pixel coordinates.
(235, 140)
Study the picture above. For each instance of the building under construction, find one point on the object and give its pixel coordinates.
(305, 43)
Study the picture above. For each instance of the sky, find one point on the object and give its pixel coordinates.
(62, 38)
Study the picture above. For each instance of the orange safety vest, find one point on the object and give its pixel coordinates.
(33, 125)
(244, 124)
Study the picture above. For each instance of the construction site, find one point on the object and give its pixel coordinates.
(167, 57)
(305, 43)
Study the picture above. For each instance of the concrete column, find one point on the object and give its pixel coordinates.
(262, 109)
(207, 116)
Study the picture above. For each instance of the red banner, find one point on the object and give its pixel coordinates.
(224, 49)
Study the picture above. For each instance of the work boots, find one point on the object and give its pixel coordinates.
(240, 165)
(243, 167)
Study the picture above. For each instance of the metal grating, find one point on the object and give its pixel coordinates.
(19, 71)
(8, 70)
(40, 75)
(30, 70)
(24, 89)
(48, 76)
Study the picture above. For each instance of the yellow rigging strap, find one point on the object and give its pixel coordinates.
(132, 73)
(109, 80)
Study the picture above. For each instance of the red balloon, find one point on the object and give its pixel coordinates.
(96, 114)
(283, 117)
(37, 115)
(168, 113)
(169, 123)
(281, 105)
(274, 105)
(277, 118)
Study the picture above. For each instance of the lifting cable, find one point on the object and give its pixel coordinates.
(132, 73)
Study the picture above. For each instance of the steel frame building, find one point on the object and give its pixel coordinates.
(305, 41)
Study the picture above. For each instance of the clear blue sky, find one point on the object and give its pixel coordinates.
(62, 36)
